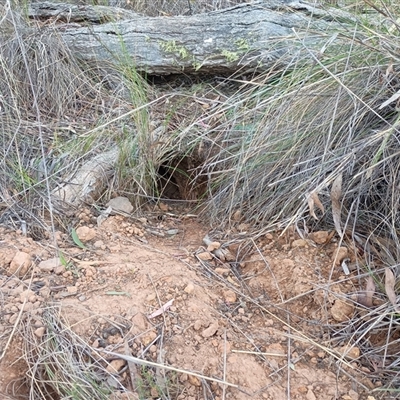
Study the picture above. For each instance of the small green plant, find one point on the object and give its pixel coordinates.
(242, 44)
(172, 47)
(76, 239)
(230, 55)
(151, 386)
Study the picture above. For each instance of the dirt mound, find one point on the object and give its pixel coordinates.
(257, 324)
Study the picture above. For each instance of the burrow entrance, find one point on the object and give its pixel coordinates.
(179, 179)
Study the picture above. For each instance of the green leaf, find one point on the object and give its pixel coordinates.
(114, 293)
(76, 240)
(63, 260)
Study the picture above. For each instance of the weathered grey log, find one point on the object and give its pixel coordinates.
(72, 13)
(244, 37)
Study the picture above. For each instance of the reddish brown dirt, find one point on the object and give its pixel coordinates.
(254, 324)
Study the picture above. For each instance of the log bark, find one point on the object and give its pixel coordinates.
(246, 37)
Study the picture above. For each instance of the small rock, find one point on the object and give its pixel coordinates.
(197, 325)
(205, 256)
(319, 237)
(26, 294)
(352, 353)
(13, 318)
(163, 206)
(39, 332)
(115, 366)
(194, 381)
(32, 298)
(224, 347)
(20, 264)
(339, 255)
(154, 393)
(299, 243)
(27, 307)
(6, 256)
(353, 394)
(302, 389)
(172, 232)
(17, 291)
(189, 288)
(153, 348)
(72, 289)
(151, 297)
(59, 270)
(310, 395)
(213, 246)
(50, 264)
(85, 234)
(210, 331)
(342, 310)
(148, 337)
(98, 244)
(222, 271)
(237, 216)
(38, 323)
(139, 323)
(45, 292)
(229, 296)
(121, 204)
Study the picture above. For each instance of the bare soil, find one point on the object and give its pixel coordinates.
(256, 320)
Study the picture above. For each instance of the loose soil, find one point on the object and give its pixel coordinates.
(253, 316)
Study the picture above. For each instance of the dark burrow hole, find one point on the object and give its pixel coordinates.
(178, 180)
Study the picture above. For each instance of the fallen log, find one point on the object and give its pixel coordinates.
(249, 36)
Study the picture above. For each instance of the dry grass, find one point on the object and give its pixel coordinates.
(263, 149)
(61, 365)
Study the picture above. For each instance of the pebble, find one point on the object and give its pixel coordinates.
(115, 366)
(189, 288)
(26, 307)
(204, 256)
(20, 264)
(194, 380)
(299, 243)
(85, 234)
(39, 332)
(229, 296)
(153, 348)
(342, 310)
(151, 297)
(98, 244)
(310, 395)
(121, 204)
(319, 237)
(339, 255)
(222, 271)
(197, 325)
(349, 352)
(139, 322)
(13, 318)
(59, 270)
(211, 330)
(50, 264)
(72, 289)
(26, 294)
(213, 246)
